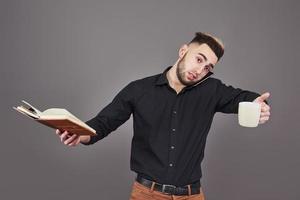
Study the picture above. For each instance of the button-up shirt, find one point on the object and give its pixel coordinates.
(169, 129)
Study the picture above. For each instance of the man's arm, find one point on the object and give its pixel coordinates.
(113, 115)
(107, 120)
(229, 97)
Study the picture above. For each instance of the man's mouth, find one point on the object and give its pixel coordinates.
(191, 76)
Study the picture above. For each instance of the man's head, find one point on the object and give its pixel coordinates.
(198, 58)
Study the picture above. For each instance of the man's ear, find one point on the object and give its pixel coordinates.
(182, 51)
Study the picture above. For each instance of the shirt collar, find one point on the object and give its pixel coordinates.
(162, 79)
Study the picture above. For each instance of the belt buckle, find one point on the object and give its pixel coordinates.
(166, 185)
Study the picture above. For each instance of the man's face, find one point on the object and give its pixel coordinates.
(196, 62)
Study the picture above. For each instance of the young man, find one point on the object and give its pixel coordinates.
(172, 114)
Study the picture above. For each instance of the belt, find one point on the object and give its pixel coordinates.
(170, 189)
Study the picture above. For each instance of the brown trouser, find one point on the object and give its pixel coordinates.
(141, 192)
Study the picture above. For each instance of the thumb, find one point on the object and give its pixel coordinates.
(262, 97)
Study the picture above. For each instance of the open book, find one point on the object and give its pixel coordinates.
(57, 118)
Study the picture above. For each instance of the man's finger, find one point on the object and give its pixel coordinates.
(263, 114)
(262, 122)
(265, 108)
(75, 141)
(64, 135)
(264, 119)
(70, 139)
(59, 132)
(262, 97)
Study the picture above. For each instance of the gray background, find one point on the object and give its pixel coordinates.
(79, 54)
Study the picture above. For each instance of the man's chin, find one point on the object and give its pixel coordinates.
(190, 83)
(187, 82)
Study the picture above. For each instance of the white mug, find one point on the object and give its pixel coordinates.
(249, 114)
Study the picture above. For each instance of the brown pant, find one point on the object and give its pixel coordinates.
(141, 192)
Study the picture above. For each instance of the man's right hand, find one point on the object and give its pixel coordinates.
(67, 138)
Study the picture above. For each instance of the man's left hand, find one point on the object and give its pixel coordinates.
(265, 108)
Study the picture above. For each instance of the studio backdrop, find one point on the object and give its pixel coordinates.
(79, 54)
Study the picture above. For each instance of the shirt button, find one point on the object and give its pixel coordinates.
(174, 112)
(173, 129)
(171, 165)
(172, 147)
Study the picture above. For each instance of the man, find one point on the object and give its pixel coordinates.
(172, 114)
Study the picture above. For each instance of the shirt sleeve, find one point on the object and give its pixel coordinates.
(229, 98)
(113, 115)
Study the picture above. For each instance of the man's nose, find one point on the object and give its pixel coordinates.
(199, 69)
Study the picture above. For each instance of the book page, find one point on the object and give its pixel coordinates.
(32, 108)
(52, 112)
(28, 112)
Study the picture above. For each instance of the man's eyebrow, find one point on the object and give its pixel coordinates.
(205, 58)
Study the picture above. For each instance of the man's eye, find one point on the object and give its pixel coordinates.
(199, 60)
(208, 68)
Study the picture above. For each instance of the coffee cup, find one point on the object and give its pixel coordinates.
(249, 114)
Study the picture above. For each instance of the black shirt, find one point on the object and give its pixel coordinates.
(170, 129)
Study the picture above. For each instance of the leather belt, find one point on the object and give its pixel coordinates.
(170, 189)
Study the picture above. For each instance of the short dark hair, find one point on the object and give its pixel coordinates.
(214, 43)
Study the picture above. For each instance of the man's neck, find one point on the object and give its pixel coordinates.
(173, 80)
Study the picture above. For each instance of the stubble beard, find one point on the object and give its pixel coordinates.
(180, 72)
